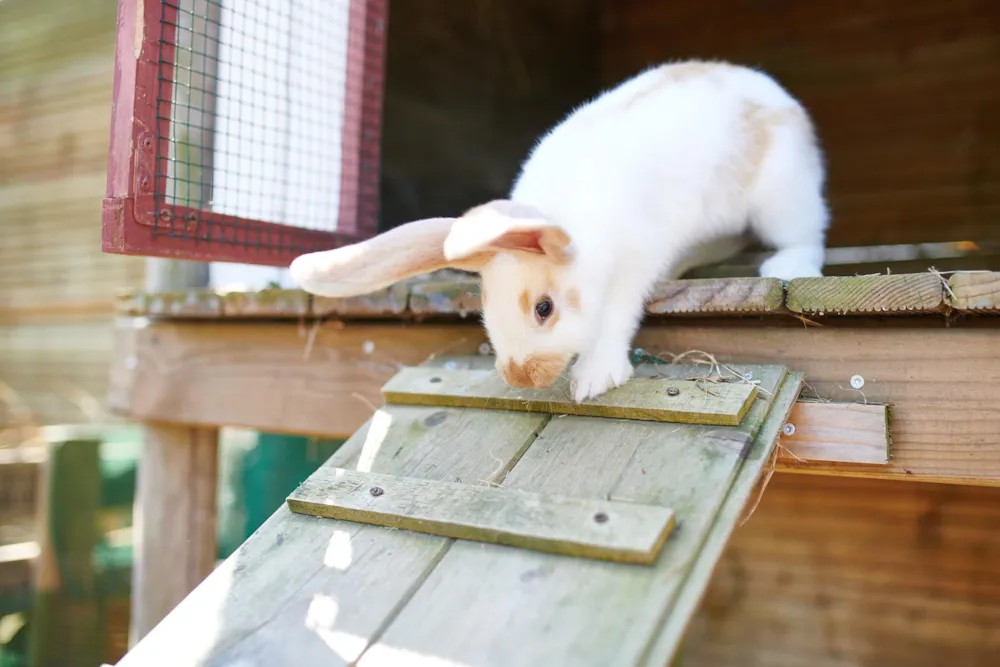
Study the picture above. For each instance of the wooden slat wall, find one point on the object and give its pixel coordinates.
(906, 94)
(56, 286)
(834, 572)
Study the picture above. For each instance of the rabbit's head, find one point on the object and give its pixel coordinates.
(533, 308)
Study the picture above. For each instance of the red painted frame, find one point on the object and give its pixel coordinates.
(136, 221)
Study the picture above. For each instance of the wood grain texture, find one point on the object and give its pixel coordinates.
(888, 574)
(749, 296)
(977, 292)
(384, 303)
(866, 295)
(454, 295)
(488, 605)
(445, 297)
(748, 487)
(175, 520)
(722, 403)
(944, 415)
(621, 532)
(304, 590)
(837, 433)
(322, 379)
(266, 303)
(896, 173)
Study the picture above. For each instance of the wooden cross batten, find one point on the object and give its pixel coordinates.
(624, 531)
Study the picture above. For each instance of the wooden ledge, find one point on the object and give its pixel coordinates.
(452, 294)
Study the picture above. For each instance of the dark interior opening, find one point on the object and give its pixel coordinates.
(905, 95)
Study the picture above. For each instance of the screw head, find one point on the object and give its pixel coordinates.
(434, 380)
(601, 517)
(857, 382)
(748, 376)
(673, 391)
(376, 491)
(484, 349)
(788, 429)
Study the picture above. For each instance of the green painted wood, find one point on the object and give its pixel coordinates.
(625, 532)
(512, 606)
(694, 402)
(67, 622)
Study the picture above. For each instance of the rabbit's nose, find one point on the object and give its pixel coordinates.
(515, 374)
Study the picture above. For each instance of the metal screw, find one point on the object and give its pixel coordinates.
(789, 429)
(434, 380)
(673, 391)
(484, 349)
(376, 491)
(857, 382)
(601, 517)
(748, 376)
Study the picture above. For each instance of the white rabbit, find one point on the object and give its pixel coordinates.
(666, 171)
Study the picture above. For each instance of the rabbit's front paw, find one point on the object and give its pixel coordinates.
(594, 375)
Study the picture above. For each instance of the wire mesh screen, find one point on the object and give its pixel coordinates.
(265, 125)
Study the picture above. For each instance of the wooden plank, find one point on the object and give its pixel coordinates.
(944, 416)
(977, 292)
(330, 377)
(837, 432)
(453, 294)
(304, 590)
(391, 301)
(680, 401)
(747, 488)
(895, 575)
(67, 623)
(748, 296)
(189, 303)
(623, 532)
(175, 520)
(457, 295)
(866, 295)
(266, 303)
(584, 612)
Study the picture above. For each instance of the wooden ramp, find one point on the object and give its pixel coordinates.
(511, 532)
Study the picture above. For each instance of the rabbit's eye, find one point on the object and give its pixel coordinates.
(543, 308)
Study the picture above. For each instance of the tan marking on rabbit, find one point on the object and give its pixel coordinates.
(525, 302)
(694, 70)
(573, 298)
(537, 371)
(761, 124)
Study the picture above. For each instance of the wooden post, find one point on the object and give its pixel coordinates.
(175, 506)
(67, 623)
(175, 520)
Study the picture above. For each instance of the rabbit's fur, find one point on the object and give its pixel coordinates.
(667, 171)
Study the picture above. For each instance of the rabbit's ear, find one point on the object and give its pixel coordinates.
(506, 226)
(362, 268)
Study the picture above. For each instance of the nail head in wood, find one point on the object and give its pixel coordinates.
(673, 391)
(376, 491)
